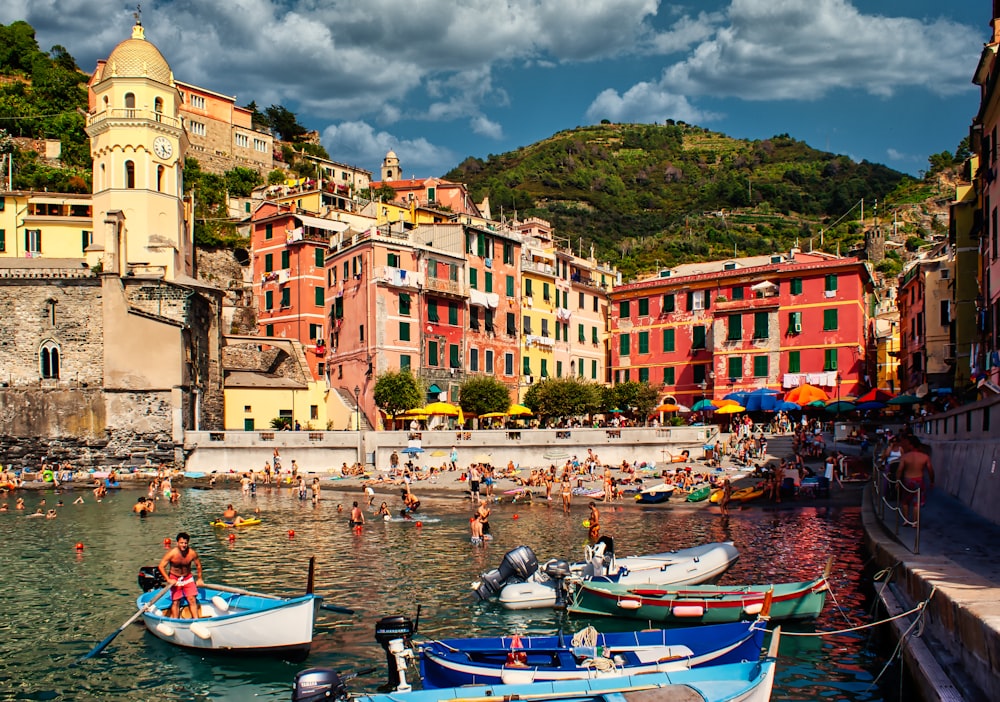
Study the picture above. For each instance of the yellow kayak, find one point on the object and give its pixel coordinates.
(245, 522)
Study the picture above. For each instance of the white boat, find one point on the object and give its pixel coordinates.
(236, 622)
(523, 585)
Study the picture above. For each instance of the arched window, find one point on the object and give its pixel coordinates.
(158, 107)
(48, 360)
(106, 105)
(129, 174)
(130, 101)
(160, 171)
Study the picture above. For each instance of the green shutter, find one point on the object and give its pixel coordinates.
(737, 292)
(668, 376)
(320, 257)
(432, 353)
(623, 345)
(489, 281)
(404, 331)
(795, 286)
(268, 231)
(284, 259)
(432, 311)
(735, 367)
(669, 342)
(708, 299)
(593, 335)
(623, 309)
(831, 283)
(510, 286)
(545, 368)
(699, 372)
(830, 320)
(268, 330)
(404, 304)
(474, 279)
(593, 370)
(829, 359)
(735, 327)
(643, 375)
(453, 356)
(794, 322)
(404, 361)
(794, 362)
(320, 294)
(760, 325)
(268, 263)
(582, 335)
(527, 287)
(268, 300)
(526, 362)
(644, 342)
(760, 366)
(643, 306)
(669, 302)
(698, 337)
(286, 297)
(453, 314)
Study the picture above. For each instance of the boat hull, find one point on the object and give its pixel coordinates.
(455, 662)
(252, 624)
(655, 495)
(708, 604)
(685, 567)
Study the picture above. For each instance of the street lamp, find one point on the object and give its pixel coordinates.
(357, 409)
(836, 421)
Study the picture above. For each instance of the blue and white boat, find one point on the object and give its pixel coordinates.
(588, 654)
(734, 682)
(655, 494)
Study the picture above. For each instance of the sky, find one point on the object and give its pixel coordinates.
(888, 81)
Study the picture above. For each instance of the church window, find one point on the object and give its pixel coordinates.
(48, 358)
(158, 108)
(160, 170)
(51, 305)
(130, 174)
(129, 101)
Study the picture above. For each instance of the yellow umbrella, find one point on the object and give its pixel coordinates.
(724, 403)
(730, 409)
(492, 415)
(667, 408)
(518, 409)
(444, 408)
(415, 413)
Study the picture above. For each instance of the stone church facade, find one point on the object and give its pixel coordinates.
(109, 359)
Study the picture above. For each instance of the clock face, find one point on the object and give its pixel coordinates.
(162, 147)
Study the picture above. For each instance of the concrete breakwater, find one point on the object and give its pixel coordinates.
(327, 451)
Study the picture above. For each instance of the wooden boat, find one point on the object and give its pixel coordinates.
(708, 604)
(733, 682)
(516, 659)
(246, 522)
(236, 622)
(655, 494)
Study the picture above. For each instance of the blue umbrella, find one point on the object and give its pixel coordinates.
(765, 391)
(873, 405)
(740, 397)
(412, 450)
(786, 407)
(761, 402)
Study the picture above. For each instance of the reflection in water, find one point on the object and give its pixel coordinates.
(61, 603)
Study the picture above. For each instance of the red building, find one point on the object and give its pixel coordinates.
(289, 277)
(707, 329)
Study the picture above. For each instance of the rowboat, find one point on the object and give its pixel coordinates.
(700, 493)
(235, 622)
(707, 604)
(588, 654)
(655, 494)
(733, 682)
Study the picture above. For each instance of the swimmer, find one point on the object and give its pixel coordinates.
(340, 508)
(19, 504)
(38, 513)
(78, 501)
(230, 515)
(357, 516)
(51, 514)
(60, 504)
(3, 507)
(140, 507)
(383, 511)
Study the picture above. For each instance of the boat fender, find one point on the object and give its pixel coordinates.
(201, 631)
(165, 629)
(630, 604)
(688, 611)
(754, 609)
(220, 604)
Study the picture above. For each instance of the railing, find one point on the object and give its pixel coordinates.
(132, 114)
(537, 267)
(890, 495)
(450, 287)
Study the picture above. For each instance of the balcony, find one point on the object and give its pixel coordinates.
(749, 304)
(587, 282)
(443, 286)
(128, 114)
(397, 277)
(546, 269)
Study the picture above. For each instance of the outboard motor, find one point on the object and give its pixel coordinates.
(317, 684)
(395, 636)
(559, 571)
(150, 578)
(520, 562)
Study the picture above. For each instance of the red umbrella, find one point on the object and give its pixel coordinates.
(876, 395)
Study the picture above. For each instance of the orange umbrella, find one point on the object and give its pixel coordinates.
(806, 393)
(724, 403)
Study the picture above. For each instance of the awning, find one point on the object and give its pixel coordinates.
(330, 225)
(434, 388)
(763, 285)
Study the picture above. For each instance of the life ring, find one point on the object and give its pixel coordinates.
(48, 476)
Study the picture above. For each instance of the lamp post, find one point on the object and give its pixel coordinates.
(836, 421)
(357, 409)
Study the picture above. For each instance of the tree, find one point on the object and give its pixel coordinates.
(257, 118)
(284, 122)
(639, 397)
(276, 177)
(397, 391)
(483, 395)
(241, 181)
(563, 397)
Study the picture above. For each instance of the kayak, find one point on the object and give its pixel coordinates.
(246, 522)
(699, 494)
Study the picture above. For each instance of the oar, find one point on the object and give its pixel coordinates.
(111, 637)
(238, 591)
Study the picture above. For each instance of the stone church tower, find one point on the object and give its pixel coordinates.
(138, 144)
(390, 167)
(875, 244)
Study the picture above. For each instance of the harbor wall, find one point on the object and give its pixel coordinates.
(327, 451)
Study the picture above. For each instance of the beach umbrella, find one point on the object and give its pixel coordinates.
(765, 391)
(876, 395)
(739, 398)
(786, 406)
(667, 408)
(683, 408)
(904, 400)
(723, 403)
(730, 409)
(515, 410)
(817, 404)
(806, 394)
(615, 411)
(703, 406)
(444, 408)
(412, 450)
(840, 407)
(493, 415)
(761, 402)
(869, 405)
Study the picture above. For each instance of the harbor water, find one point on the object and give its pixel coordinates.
(61, 601)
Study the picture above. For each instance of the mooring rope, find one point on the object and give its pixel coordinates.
(919, 608)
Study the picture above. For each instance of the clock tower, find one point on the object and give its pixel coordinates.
(138, 144)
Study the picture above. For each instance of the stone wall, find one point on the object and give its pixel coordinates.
(230, 271)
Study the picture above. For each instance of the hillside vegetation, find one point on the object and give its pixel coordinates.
(648, 196)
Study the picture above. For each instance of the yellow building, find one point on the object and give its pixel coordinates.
(45, 225)
(963, 235)
(538, 302)
(887, 353)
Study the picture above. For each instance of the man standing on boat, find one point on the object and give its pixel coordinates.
(183, 583)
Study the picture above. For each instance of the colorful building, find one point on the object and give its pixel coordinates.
(927, 348)
(963, 238)
(45, 225)
(538, 302)
(707, 329)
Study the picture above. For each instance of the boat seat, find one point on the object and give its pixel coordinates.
(673, 693)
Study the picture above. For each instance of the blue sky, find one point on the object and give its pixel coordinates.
(439, 80)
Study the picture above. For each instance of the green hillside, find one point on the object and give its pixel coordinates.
(655, 195)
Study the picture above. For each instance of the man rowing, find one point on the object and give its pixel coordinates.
(176, 569)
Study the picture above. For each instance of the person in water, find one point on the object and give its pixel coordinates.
(410, 502)
(383, 510)
(175, 566)
(357, 516)
(231, 516)
(595, 524)
(140, 507)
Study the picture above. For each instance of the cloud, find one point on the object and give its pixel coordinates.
(486, 127)
(645, 102)
(895, 155)
(359, 143)
(804, 49)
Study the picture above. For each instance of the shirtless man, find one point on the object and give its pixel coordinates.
(183, 584)
(595, 524)
(915, 471)
(231, 516)
(357, 516)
